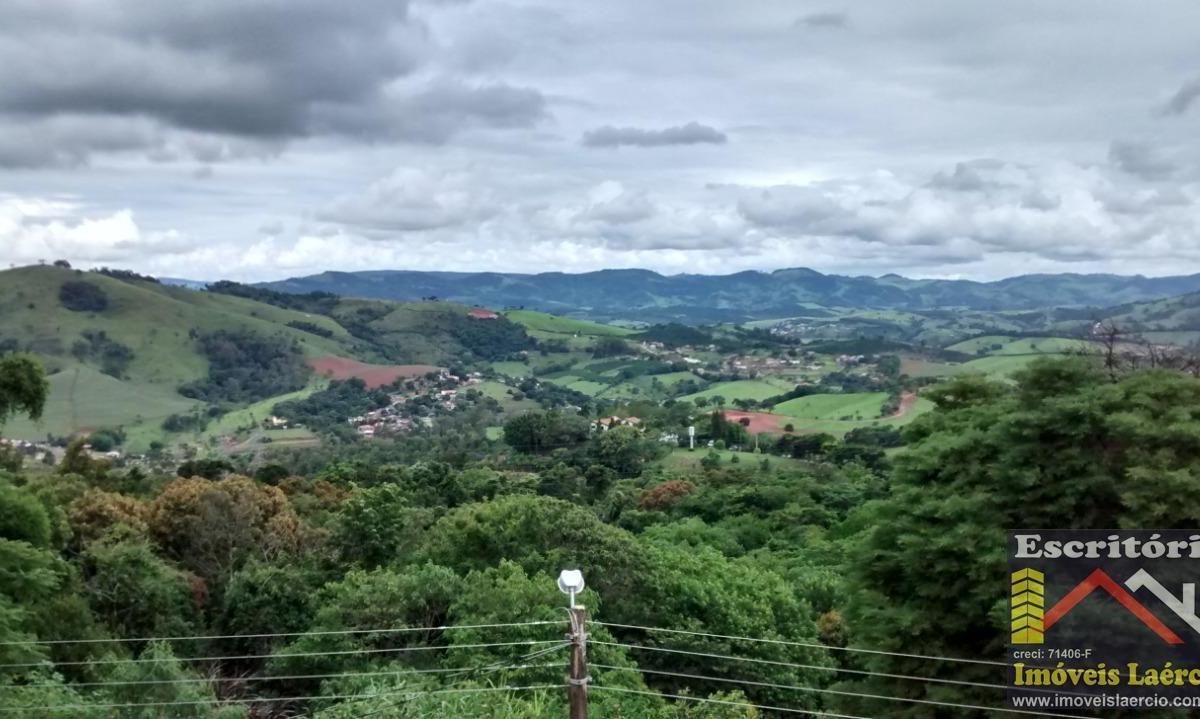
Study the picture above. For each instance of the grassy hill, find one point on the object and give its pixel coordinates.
(120, 358)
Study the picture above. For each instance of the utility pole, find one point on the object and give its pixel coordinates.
(570, 582)
(577, 682)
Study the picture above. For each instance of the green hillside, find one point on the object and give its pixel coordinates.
(541, 323)
(83, 398)
(857, 405)
(118, 350)
(755, 389)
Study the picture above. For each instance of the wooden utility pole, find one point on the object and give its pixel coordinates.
(577, 682)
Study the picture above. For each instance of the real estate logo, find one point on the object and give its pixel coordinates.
(1104, 612)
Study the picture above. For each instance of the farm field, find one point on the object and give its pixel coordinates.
(1005, 345)
(977, 344)
(838, 428)
(755, 389)
(515, 370)
(858, 405)
(1041, 345)
(547, 324)
(916, 367)
(373, 375)
(1000, 365)
(683, 460)
(500, 392)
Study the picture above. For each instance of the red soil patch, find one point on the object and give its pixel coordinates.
(759, 421)
(907, 401)
(374, 375)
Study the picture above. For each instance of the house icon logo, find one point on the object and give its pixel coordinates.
(1031, 620)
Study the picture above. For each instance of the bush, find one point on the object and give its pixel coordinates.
(80, 296)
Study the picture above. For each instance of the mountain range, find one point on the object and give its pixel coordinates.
(651, 297)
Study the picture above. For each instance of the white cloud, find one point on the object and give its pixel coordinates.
(39, 229)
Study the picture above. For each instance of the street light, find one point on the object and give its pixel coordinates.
(570, 582)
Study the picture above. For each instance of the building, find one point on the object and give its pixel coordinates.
(479, 313)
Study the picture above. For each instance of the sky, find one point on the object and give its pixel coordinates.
(263, 139)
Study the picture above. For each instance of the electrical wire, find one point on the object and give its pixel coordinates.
(215, 637)
(839, 692)
(709, 700)
(810, 645)
(816, 667)
(287, 677)
(265, 700)
(144, 660)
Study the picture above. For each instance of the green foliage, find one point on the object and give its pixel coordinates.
(538, 533)
(247, 366)
(208, 468)
(136, 593)
(96, 346)
(1063, 448)
(23, 518)
(330, 408)
(488, 340)
(541, 431)
(266, 598)
(162, 678)
(81, 296)
(379, 526)
(23, 386)
(610, 347)
(310, 327)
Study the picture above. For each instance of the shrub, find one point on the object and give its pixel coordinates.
(80, 296)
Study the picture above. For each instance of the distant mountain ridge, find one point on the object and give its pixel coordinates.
(650, 296)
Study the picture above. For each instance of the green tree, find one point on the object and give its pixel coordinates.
(1064, 448)
(379, 525)
(23, 387)
(23, 517)
(136, 593)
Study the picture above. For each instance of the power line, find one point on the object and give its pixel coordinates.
(290, 677)
(817, 667)
(265, 700)
(839, 692)
(330, 632)
(143, 660)
(810, 645)
(388, 703)
(708, 700)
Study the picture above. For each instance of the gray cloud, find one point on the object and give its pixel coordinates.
(261, 73)
(1182, 100)
(836, 20)
(690, 134)
(1141, 159)
(411, 200)
(844, 160)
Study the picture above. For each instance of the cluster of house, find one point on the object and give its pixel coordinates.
(32, 450)
(398, 417)
(604, 424)
(660, 351)
(851, 360)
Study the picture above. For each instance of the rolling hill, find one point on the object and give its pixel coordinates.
(641, 295)
(121, 355)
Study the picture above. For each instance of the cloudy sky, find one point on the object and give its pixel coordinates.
(259, 139)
